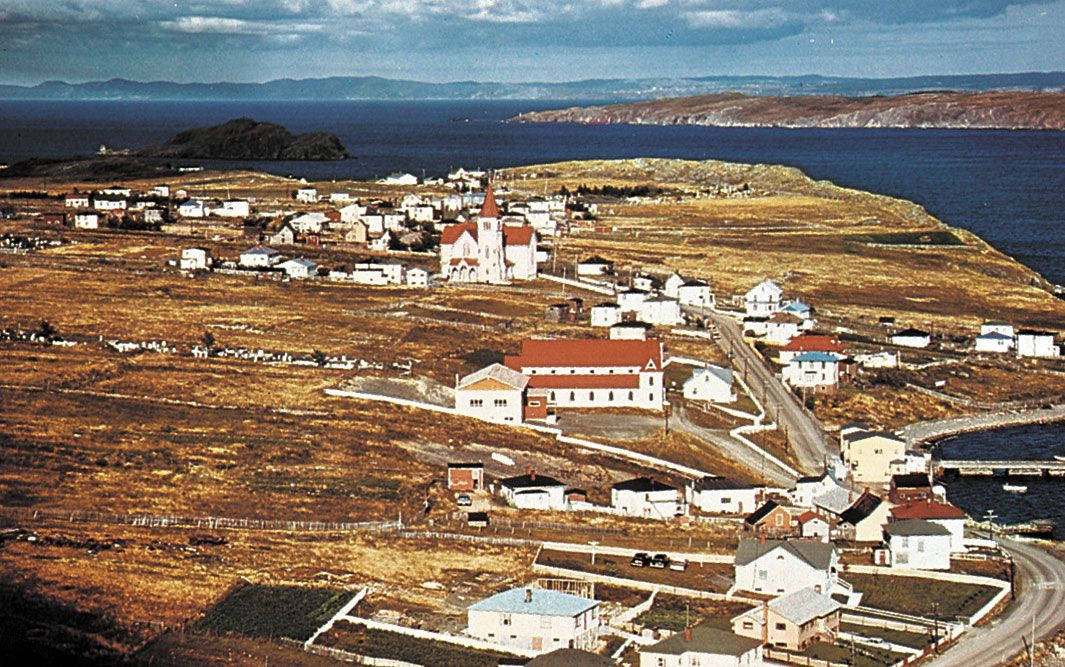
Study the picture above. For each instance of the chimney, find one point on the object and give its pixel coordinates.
(528, 595)
(532, 475)
(765, 621)
(761, 536)
(687, 633)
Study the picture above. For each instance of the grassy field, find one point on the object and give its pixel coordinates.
(900, 637)
(294, 612)
(383, 644)
(915, 595)
(672, 612)
(714, 577)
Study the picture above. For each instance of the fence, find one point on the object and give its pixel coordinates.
(799, 659)
(628, 583)
(468, 642)
(206, 523)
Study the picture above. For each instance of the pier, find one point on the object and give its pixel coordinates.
(1046, 468)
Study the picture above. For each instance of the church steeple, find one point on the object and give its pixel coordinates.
(489, 209)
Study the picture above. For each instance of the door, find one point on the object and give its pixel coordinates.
(537, 643)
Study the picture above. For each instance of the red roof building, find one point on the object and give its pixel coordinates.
(927, 510)
(813, 343)
(489, 209)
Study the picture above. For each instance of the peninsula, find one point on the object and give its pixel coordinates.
(248, 139)
(986, 110)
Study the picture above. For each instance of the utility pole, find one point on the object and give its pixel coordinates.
(990, 517)
(935, 626)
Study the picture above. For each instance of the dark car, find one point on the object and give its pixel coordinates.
(660, 560)
(640, 560)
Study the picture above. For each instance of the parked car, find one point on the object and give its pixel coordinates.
(463, 500)
(640, 559)
(660, 561)
(678, 564)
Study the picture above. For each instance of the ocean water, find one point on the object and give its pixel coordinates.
(1008, 187)
(976, 495)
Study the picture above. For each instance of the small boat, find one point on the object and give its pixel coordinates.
(1059, 457)
(1015, 488)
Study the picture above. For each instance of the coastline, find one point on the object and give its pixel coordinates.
(928, 433)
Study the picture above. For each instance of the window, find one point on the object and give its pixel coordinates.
(505, 618)
(476, 402)
(651, 397)
(763, 574)
(591, 396)
(545, 621)
(573, 396)
(610, 396)
(747, 625)
(500, 402)
(630, 395)
(551, 397)
(726, 501)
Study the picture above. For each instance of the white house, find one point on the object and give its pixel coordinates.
(883, 359)
(417, 277)
(594, 266)
(808, 488)
(703, 646)
(533, 492)
(631, 300)
(870, 454)
(351, 213)
(259, 256)
(630, 331)
(109, 203)
(645, 283)
(646, 497)
(605, 314)
(713, 383)
(763, 300)
(813, 370)
(87, 220)
(536, 619)
(912, 338)
(695, 293)
(160, 190)
(661, 311)
(308, 195)
(1032, 343)
(299, 268)
(117, 191)
(993, 341)
(399, 178)
(495, 393)
(918, 544)
(309, 223)
(232, 208)
(192, 208)
(671, 286)
(782, 327)
(379, 243)
(994, 326)
(721, 495)
(194, 259)
(339, 197)
(77, 201)
(813, 526)
(779, 567)
(942, 514)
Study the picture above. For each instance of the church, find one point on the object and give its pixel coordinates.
(487, 251)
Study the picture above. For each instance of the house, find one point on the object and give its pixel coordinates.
(117, 191)
(819, 371)
(77, 201)
(721, 495)
(646, 283)
(712, 383)
(1032, 343)
(763, 300)
(911, 487)
(942, 514)
(630, 331)
(417, 277)
(192, 208)
(308, 195)
(883, 359)
(380, 243)
(782, 327)
(695, 293)
(594, 373)
(399, 178)
(284, 236)
(864, 520)
(918, 544)
(536, 619)
(834, 502)
(771, 519)
(477, 519)
(495, 393)
(912, 338)
(533, 492)
(703, 645)
(1004, 328)
(799, 309)
(813, 526)
(194, 259)
(869, 455)
(810, 343)
(646, 497)
(465, 477)
(779, 567)
(756, 326)
(233, 208)
(594, 266)
(808, 488)
(792, 621)
(309, 223)
(660, 310)
(259, 256)
(87, 220)
(155, 215)
(351, 213)
(101, 203)
(672, 283)
(557, 312)
(631, 300)
(299, 268)
(160, 190)
(605, 314)
(995, 337)
(486, 251)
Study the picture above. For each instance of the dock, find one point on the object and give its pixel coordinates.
(1043, 468)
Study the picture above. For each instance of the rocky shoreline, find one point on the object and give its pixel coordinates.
(929, 432)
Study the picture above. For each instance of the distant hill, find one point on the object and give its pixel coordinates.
(247, 139)
(377, 88)
(1005, 110)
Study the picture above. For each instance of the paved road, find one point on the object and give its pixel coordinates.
(732, 449)
(1042, 597)
(804, 432)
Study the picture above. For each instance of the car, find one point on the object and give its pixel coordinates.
(660, 561)
(464, 500)
(640, 559)
(678, 564)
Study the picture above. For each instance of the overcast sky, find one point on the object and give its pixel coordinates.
(521, 40)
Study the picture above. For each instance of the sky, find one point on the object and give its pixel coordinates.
(521, 40)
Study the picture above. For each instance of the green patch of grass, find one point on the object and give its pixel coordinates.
(274, 611)
(900, 637)
(384, 644)
(672, 612)
(916, 595)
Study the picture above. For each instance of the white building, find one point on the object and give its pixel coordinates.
(594, 266)
(109, 203)
(605, 314)
(77, 201)
(884, 359)
(1004, 328)
(630, 331)
(308, 195)
(399, 179)
(779, 567)
(703, 646)
(813, 370)
(87, 220)
(695, 293)
(912, 338)
(536, 619)
(782, 327)
(494, 393)
(763, 300)
(259, 256)
(918, 544)
(309, 223)
(994, 341)
(1032, 343)
(194, 259)
(671, 286)
(417, 277)
(646, 497)
(713, 383)
(160, 190)
(117, 191)
(870, 455)
(192, 208)
(721, 495)
(631, 300)
(339, 197)
(661, 311)
(808, 488)
(299, 268)
(486, 251)
(233, 208)
(942, 514)
(533, 492)
(352, 213)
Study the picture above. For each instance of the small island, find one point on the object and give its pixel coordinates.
(248, 139)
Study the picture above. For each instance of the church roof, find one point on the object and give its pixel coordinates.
(489, 209)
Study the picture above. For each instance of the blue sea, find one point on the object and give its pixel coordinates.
(1008, 187)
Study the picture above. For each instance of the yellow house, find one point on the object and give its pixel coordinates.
(869, 455)
(791, 621)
